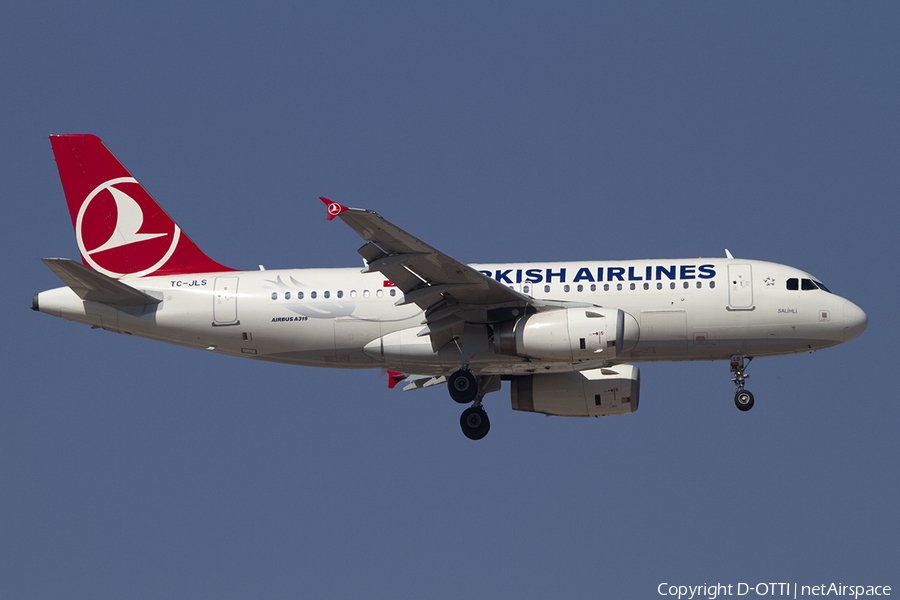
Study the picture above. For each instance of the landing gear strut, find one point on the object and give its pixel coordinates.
(743, 399)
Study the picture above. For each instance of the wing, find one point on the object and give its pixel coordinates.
(450, 292)
(424, 275)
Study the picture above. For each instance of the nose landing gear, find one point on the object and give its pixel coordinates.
(743, 399)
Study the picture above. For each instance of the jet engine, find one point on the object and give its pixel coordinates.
(592, 393)
(569, 334)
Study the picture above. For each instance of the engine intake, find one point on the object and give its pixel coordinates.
(592, 393)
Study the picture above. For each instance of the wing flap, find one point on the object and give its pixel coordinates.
(424, 382)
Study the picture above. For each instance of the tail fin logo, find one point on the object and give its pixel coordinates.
(108, 228)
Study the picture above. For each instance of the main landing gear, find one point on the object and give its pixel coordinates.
(743, 399)
(474, 422)
(464, 388)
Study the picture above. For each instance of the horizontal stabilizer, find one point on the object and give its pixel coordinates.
(93, 286)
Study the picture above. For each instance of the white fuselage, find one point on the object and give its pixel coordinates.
(703, 309)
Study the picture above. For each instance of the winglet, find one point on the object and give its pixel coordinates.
(394, 378)
(334, 209)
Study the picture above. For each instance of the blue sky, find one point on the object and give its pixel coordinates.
(505, 132)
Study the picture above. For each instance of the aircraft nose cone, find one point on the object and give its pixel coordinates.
(855, 321)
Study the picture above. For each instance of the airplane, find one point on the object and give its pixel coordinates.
(566, 335)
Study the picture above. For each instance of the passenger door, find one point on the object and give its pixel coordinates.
(225, 302)
(740, 287)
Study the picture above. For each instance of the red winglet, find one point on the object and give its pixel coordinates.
(334, 209)
(395, 377)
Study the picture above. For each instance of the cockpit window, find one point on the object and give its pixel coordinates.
(806, 284)
(821, 286)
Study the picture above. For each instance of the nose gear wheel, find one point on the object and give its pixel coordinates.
(743, 399)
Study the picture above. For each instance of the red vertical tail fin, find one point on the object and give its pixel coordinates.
(121, 230)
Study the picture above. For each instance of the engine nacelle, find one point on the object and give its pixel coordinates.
(592, 393)
(569, 334)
